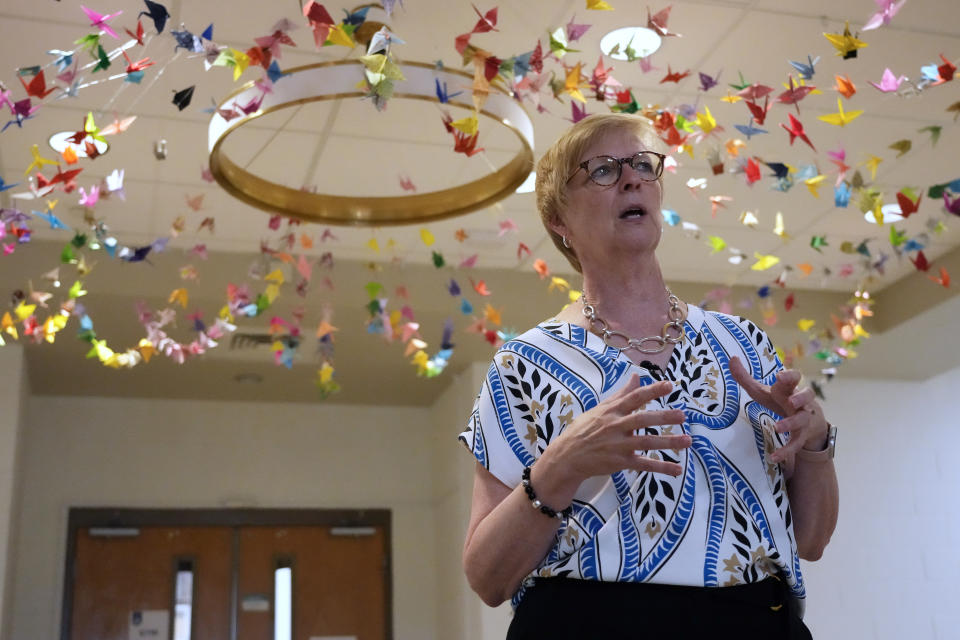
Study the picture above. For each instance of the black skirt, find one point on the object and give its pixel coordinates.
(558, 608)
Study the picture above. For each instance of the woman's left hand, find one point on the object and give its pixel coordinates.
(803, 416)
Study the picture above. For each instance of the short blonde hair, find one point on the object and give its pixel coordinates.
(562, 158)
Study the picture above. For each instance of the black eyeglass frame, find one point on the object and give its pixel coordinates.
(620, 161)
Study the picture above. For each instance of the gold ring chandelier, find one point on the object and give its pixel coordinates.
(338, 81)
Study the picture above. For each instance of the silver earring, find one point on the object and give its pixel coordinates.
(565, 243)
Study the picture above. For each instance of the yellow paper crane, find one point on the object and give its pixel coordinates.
(841, 118)
(845, 44)
(706, 121)
(38, 160)
(872, 163)
(598, 5)
(179, 296)
(813, 184)
(572, 84)
(764, 262)
(716, 243)
(469, 125)
(779, 227)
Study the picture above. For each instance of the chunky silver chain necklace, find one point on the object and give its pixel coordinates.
(670, 334)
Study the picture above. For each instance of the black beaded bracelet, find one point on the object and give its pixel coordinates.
(535, 502)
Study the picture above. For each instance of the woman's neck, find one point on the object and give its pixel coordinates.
(633, 294)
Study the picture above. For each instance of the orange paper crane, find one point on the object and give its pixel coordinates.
(845, 86)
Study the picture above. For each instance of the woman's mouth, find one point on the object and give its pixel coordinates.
(633, 212)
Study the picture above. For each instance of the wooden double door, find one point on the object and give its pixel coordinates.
(227, 575)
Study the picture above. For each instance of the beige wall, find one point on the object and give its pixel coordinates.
(13, 396)
(141, 453)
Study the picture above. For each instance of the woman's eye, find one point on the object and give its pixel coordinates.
(602, 170)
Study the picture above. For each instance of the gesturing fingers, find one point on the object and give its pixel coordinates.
(640, 396)
(757, 391)
(641, 462)
(775, 397)
(642, 419)
(784, 387)
(803, 398)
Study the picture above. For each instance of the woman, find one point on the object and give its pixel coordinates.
(676, 471)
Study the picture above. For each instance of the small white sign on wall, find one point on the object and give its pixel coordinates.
(151, 624)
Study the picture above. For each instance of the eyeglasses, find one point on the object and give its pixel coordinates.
(605, 170)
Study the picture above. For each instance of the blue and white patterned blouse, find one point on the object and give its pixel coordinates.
(724, 521)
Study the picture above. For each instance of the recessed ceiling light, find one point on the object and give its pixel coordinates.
(58, 142)
(629, 43)
(529, 184)
(891, 213)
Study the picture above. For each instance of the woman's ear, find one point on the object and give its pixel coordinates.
(556, 225)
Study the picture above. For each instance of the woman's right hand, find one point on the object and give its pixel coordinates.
(602, 441)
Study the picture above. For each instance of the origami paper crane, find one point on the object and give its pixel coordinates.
(486, 23)
(183, 97)
(37, 87)
(934, 131)
(139, 65)
(907, 205)
(795, 94)
(805, 70)
(157, 13)
(889, 83)
(845, 44)
(118, 126)
(674, 76)
(708, 82)
(952, 206)
(759, 113)
(38, 160)
(795, 129)
(955, 109)
(658, 22)
(748, 129)
(575, 31)
(943, 280)
(887, 9)
(901, 146)
(101, 21)
(844, 86)
(841, 118)
(558, 44)
(138, 34)
(187, 40)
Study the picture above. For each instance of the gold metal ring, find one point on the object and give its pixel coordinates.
(360, 210)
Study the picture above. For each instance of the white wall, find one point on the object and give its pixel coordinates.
(461, 614)
(888, 572)
(142, 453)
(14, 390)
(891, 569)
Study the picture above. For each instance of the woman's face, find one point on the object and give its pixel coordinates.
(607, 225)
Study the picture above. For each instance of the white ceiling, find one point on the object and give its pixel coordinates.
(349, 148)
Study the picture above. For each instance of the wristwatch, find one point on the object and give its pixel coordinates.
(824, 454)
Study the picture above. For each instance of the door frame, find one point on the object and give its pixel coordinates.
(85, 517)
